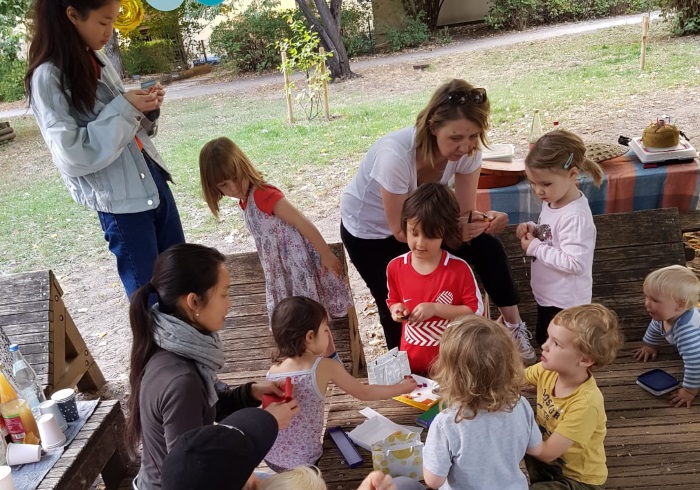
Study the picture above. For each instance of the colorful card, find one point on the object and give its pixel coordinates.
(424, 396)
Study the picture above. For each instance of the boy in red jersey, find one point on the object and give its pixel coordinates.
(429, 286)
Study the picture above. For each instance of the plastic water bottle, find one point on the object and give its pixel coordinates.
(25, 379)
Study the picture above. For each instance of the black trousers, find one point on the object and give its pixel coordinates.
(545, 314)
(485, 254)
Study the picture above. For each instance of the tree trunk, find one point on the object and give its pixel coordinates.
(114, 55)
(328, 28)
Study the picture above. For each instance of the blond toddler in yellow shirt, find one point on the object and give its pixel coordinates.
(570, 407)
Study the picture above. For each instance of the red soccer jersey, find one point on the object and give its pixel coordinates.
(452, 283)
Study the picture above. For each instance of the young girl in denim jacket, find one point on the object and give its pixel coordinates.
(98, 133)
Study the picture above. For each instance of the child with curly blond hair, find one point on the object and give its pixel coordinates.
(570, 406)
(481, 436)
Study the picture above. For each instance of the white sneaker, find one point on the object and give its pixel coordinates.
(522, 336)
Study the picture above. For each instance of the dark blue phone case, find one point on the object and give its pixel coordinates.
(657, 381)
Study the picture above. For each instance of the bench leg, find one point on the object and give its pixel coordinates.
(116, 468)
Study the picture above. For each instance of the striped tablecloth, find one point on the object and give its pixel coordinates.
(627, 186)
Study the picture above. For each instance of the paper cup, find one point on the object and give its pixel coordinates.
(23, 453)
(51, 434)
(6, 482)
(65, 399)
(50, 406)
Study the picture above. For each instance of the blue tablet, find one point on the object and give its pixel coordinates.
(657, 382)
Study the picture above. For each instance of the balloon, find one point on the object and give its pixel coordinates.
(165, 5)
(130, 16)
(211, 2)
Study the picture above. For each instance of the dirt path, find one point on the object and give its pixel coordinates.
(198, 86)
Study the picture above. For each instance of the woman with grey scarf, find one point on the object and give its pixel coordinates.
(175, 355)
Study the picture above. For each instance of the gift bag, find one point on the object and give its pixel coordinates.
(389, 368)
(400, 454)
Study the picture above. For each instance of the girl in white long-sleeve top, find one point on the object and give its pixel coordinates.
(562, 242)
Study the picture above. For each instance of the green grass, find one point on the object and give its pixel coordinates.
(312, 161)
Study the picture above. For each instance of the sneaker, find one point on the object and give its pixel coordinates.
(522, 336)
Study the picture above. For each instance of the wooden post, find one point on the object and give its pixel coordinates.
(645, 36)
(287, 89)
(326, 109)
(204, 52)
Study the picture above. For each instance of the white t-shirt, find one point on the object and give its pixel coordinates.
(389, 163)
(483, 453)
(562, 272)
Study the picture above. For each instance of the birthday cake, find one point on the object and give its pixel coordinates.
(660, 135)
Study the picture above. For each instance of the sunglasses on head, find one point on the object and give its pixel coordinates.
(461, 97)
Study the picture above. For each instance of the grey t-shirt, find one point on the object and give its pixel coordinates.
(482, 453)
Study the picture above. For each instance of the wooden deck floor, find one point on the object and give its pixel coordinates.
(649, 445)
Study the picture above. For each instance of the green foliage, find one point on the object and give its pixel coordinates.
(443, 36)
(248, 40)
(11, 14)
(356, 29)
(303, 55)
(684, 15)
(519, 14)
(413, 34)
(11, 79)
(144, 57)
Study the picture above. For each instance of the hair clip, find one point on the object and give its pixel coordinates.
(460, 97)
(569, 161)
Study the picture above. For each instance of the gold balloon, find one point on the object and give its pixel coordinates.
(130, 16)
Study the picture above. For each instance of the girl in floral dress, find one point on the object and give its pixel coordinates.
(294, 256)
(300, 328)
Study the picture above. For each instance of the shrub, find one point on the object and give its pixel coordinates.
(12, 79)
(519, 14)
(356, 29)
(683, 14)
(143, 57)
(413, 34)
(248, 40)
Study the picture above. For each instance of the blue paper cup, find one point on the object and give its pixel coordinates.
(65, 399)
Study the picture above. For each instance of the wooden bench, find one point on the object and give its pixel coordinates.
(246, 335)
(33, 315)
(649, 444)
(628, 247)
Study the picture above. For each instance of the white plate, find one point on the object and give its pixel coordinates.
(502, 152)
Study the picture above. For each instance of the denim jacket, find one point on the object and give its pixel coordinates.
(96, 153)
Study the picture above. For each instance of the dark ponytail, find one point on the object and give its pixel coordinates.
(55, 39)
(180, 270)
(292, 319)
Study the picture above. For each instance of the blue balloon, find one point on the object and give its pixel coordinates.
(165, 5)
(211, 2)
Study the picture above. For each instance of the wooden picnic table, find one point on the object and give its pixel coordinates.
(649, 444)
(98, 448)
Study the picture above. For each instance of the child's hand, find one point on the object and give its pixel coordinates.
(399, 312)
(523, 229)
(284, 412)
(526, 240)
(409, 384)
(682, 396)
(331, 263)
(257, 390)
(422, 312)
(646, 353)
(377, 480)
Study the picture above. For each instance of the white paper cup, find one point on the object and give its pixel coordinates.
(6, 482)
(50, 406)
(50, 433)
(65, 399)
(23, 453)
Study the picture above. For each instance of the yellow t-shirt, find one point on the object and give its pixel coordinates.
(579, 417)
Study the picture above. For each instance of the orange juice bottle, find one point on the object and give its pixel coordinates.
(7, 393)
(16, 414)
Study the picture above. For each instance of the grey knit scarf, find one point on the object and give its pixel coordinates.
(181, 338)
